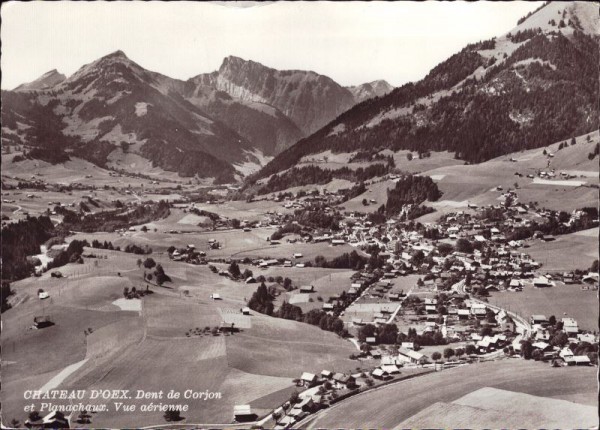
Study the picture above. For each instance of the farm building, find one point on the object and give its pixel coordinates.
(343, 379)
(308, 378)
(541, 282)
(42, 321)
(410, 356)
(307, 289)
(326, 374)
(463, 314)
(392, 369)
(570, 326)
(538, 319)
(379, 373)
(357, 321)
(578, 360)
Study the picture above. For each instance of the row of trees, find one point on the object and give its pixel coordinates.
(350, 260)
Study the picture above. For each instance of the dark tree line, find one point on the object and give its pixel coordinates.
(345, 261)
(21, 239)
(411, 190)
(315, 175)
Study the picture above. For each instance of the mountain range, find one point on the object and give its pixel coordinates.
(222, 124)
(535, 85)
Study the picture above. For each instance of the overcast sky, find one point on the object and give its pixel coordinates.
(350, 42)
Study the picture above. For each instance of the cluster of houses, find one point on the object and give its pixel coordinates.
(541, 338)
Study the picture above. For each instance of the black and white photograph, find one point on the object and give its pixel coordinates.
(299, 214)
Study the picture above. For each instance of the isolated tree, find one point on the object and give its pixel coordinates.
(436, 356)
(247, 274)
(409, 156)
(294, 397)
(552, 320)
(287, 283)
(149, 263)
(234, 269)
(573, 142)
(459, 352)
(125, 291)
(526, 349)
(139, 263)
(448, 352)
(161, 276)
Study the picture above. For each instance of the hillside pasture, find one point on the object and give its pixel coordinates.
(567, 251)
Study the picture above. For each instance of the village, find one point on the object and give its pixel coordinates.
(420, 302)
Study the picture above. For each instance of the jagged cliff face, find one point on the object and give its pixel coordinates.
(310, 100)
(535, 85)
(369, 90)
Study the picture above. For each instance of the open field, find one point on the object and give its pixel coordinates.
(490, 407)
(386, 411)
(151, 349)
(475, 183)
(567, 252)
(558, 300)
(463, 184)
(79, 170)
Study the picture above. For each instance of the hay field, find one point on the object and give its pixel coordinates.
(386, 411)
(493, 408)
(567, 252)
(558, 300)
